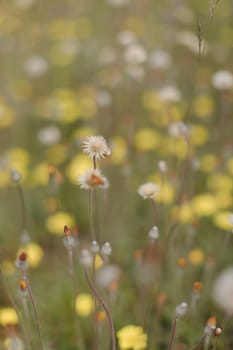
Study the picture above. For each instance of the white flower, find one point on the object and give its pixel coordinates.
(106, 249)
(181, 309)
(162, 165)
(49, 135)
(86, 258)
(135, 54)
(107, 275)
(222, 80)
(36, 66)
(178, 129)
(154, 233)
(148, 190)
(93, 178)
(169, 93)
(223, 290)
(96, 147)
(160, 59)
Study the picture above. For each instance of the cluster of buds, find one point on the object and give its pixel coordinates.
(69, 241)
(21, 262)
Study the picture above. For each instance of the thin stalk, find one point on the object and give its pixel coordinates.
(173, 333)
(15, 306)
(200, 343)
(35, 314)
(101, 301)
(91, 214)
(22, 200)
(155, 211)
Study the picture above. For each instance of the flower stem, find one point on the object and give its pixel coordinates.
(101, 301)
(200, 343)
(173, 333)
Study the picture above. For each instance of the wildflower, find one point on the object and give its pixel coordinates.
(58, 220)
(148, 190)
(68, 240)
(106, 249)
(96, 147)
(162, 165)
(8, 316)
(196, 256)
(22, 262)
(181, 309)
(107, 275)
(160, 59)
(34, 254)
(222, 80)
(36, 66)
(182, 262)
(135, 54)
(94, 247)
(132, 337)
(15, 175)
(223, 290)
(170, 94)
(154, 233)
(49, 135)
(84, 304)
(93, 178)
(86, 258)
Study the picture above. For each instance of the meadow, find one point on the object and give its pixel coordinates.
(116, 175)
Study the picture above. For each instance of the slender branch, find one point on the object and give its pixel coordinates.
(101, 301)
(200, 343)
(22, 200)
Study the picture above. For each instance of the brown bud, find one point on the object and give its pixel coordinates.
(23, 256)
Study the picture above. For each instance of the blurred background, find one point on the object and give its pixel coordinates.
(155, 79)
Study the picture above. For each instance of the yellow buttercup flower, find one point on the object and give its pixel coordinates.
(119, 150)
(84, 304)
(203, 106)
(184, 213)
(56, 222)
(132, 337)
(79, 165)
(8, 316)
(196, 256)
(220, 182)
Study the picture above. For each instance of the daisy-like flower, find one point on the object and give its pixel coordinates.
(148, 190)
(96, 147)
(93, 178)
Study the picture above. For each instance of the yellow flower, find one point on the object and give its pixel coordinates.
(222, 220)
(196, 256)
(79, 165)
(146, 139)
(7, 115)
(8, 316)
(132, 337)
(204, 205)
(184, 213)
(208, 163)
(199, 135)
(56, 154)
(203, 106)
(119, 150)
(166, 193)
(220, 182)
(84, 304)
(56, 222)
(34, 253)
(8, 267)
(98, 262)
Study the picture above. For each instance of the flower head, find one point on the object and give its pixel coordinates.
(96, 147)
(132, 337)
(93, 178)
(148, 190)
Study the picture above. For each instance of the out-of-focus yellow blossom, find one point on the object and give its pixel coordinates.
(220, 182)
(208, 163)
(7, 115)
(204, 205)
(78, 166)
(67, 28)
(224, 200)
(203, 106)
(135, 24)
(166, 114)
(8, 316)
(119, 150)
(18, 159)
(34, 253)
(222, 220)
(196, 256)
(84, 304)
(56, 154)
(7, 267)
(151, 101)
(132, 337)
(184, 213)
(230, 165)
(166, 193)
(98, 262)
(40, 175)
(177, 147)
(199, 135)
(146, 139)
(82, 133)
(56, 222)
(60, 56)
